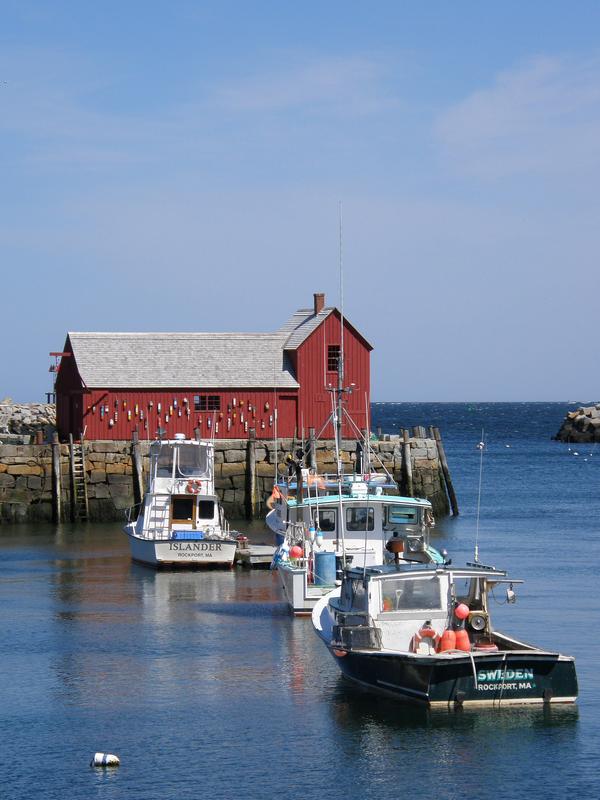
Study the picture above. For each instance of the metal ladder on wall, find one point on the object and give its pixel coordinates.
(79, 495)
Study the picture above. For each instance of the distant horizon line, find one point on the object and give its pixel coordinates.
(383, 402)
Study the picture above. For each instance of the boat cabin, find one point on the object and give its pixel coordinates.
(181, 502)
(409, 607)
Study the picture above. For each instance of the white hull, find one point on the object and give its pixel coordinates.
(204, 553)
(300, 595)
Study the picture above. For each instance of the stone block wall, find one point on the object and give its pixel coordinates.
(26, 475)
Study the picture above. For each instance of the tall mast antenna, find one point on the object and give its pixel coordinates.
(341, 358)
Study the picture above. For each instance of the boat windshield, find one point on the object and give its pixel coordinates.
(191, 460)
(410, 594)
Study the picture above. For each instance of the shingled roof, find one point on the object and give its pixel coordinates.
(166, 360)
(212, 360)
(304, 321)
(301, 324)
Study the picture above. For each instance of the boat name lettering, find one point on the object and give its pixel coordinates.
(197, 546)
(499, 675)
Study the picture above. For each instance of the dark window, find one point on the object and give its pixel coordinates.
(207, 402)
(356, 519)
(182, 509)
(327, 520)
(206, 509)
(333, 357)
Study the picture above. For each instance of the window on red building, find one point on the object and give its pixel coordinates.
(333, 357)
(207, 402)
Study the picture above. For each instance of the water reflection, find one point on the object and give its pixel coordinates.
(352, 707)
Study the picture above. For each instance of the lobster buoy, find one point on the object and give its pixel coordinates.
(448, 641)
(461, 611)
(105, 760)
(296, 551)
(462, 641)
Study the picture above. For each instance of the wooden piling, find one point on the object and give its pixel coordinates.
(251, 499)
(57, 510)
(407, 464)
(312, 449)
(136, 469)
(446, 472)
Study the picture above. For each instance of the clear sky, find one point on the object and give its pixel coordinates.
(178, 166)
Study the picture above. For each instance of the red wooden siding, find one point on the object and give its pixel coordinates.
(69, 406)
(314, 378)
(130, 410)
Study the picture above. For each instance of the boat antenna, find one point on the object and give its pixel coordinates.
(340, 389)
(340, 417)
(481, 448)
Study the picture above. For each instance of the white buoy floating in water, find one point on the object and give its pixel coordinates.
(105, 760)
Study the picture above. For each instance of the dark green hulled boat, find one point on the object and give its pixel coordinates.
(423, 633)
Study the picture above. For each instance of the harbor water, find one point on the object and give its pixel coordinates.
(205, 686)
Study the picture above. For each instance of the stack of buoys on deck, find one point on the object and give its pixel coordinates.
(456, 638)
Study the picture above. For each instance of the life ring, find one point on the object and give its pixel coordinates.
(425, 633)
(193, 487)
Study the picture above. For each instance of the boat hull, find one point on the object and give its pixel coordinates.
(190, 554)
(301, 596)
(504, 678)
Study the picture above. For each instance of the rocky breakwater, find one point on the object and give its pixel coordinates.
(21, 422)
(582, 425)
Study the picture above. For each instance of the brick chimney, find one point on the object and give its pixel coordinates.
(319, 298)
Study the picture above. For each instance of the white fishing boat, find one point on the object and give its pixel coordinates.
(338, 523)
(423, 633)
(181, 522)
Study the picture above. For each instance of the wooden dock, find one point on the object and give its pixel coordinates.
(255, 555)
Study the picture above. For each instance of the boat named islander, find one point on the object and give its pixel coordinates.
(181, 522)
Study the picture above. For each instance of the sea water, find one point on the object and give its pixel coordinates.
(206, 687)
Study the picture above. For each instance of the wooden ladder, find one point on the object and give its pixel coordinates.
(79, 495)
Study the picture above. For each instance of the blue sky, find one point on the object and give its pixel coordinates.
(179, 166)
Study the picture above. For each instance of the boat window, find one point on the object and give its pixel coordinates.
(206, 509)
(182, 509)
(411, 594)
(192, 460)
(327, 520)
(356, 519)
(164, 461)
(401, 515)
